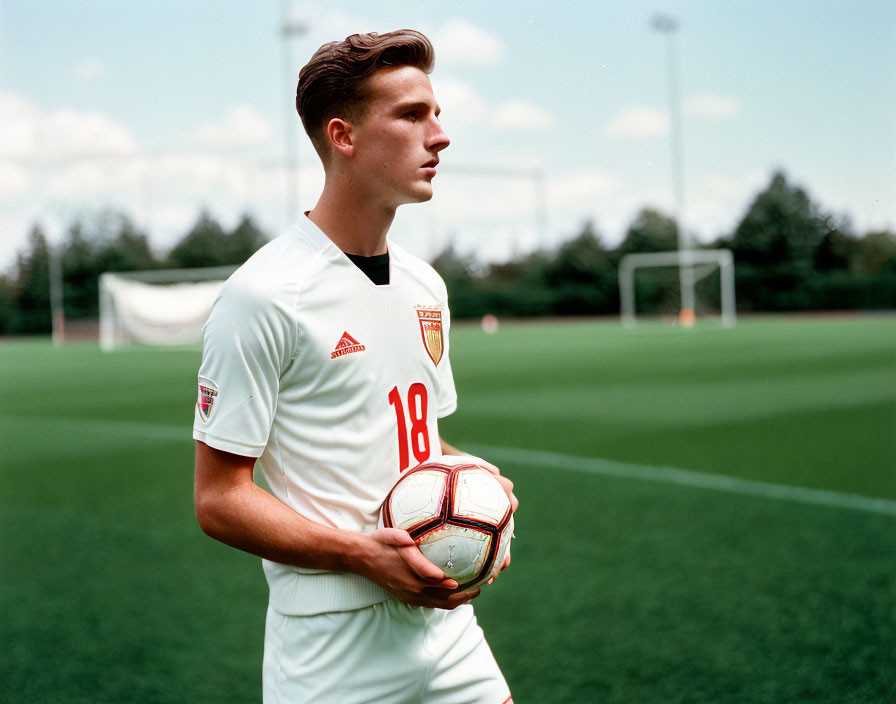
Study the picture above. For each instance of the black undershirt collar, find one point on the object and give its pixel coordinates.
(376, 267)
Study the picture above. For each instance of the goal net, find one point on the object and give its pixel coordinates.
(165, 307)
(650, 285)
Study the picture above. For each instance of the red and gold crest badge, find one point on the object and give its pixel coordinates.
(206, 400)
(431, 330)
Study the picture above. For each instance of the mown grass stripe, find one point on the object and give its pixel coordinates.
(684, 477)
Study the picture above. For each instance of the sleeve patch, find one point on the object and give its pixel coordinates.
(205, 402)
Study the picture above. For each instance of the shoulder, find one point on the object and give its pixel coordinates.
(275, 273)
(268, 285)
(419, 270)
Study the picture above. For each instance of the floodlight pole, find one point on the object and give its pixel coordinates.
(57, 312)
(669, 26)
(290, 29)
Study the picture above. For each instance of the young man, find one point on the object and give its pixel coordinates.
(325, 360)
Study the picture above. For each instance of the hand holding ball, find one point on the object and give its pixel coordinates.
(457, 513)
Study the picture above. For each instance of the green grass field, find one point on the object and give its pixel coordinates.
(631, 581)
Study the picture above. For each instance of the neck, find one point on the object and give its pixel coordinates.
(355, 224)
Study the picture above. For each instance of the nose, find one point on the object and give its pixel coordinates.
(436, 140)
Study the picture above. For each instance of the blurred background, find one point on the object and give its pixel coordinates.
(140, 136)
(708, 511)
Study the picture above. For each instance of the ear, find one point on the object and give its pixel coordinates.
(339, 134)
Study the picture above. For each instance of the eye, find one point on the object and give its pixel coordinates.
(412, 116)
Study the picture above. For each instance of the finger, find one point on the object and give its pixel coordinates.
(445, 594)
(488, 465)
(422, 567)
(507, 486)
(393, 536)
(439, 599)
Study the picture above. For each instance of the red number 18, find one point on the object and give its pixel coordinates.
(419, 437)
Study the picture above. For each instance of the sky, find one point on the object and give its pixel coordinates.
(558, 113)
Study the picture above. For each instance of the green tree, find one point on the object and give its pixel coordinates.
(464, 288)
(581, 276)
(837, 250)
(245, 239)
(650, 231)
(79, 274)
(202, 246)
(517, 287)
(774, 247)
(121, 245)
(7, 304)
(108, 242)
(207, 244)
(32, 286)
(875, 253)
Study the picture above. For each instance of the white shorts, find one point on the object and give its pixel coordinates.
(388, 652)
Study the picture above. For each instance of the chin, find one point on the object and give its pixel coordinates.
(419, 195)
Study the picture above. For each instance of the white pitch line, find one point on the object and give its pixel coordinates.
(684, 477)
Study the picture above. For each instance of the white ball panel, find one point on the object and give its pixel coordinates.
(478, 495)
(500, 554)
(460, 551)
(417, 498)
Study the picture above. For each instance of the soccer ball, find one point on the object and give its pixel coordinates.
(458, 514)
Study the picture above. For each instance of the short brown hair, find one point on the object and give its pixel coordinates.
(334, 82)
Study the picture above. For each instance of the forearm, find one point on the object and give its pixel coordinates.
(231, 508)
(449, 449)
(247, 517)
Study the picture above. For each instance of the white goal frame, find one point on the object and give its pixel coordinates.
(181, 297)
(696, 262)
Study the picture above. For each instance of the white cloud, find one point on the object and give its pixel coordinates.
(90, 69)
(522, 115)
(582, 186)
(30, 133)
(712, 107)
(241, 126)
(83, 179)
(717, 201)
(641, 122)
(71, 133)
(636, 123)
(460, 43)
(15, 181)
(20, 123)
(459, 101)
(199, 174)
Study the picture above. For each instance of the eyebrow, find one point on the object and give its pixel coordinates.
(418, 105)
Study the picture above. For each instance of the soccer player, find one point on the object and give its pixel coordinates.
(325, 360)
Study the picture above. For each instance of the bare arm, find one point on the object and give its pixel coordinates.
(231, 508)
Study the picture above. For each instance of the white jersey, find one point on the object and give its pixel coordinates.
(334, 383)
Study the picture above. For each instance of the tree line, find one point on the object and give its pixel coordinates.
(109, 242)
(789, 254)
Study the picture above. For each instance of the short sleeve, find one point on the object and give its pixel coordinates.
(447, 402)
(247, 342)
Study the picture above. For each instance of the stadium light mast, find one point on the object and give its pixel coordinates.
(668, 26)
(289, 30)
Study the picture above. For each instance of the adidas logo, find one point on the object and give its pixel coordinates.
(346, 345)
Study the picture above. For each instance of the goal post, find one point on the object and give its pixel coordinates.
(158, 307)
(698, 262)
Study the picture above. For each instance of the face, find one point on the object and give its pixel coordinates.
(397, 142)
